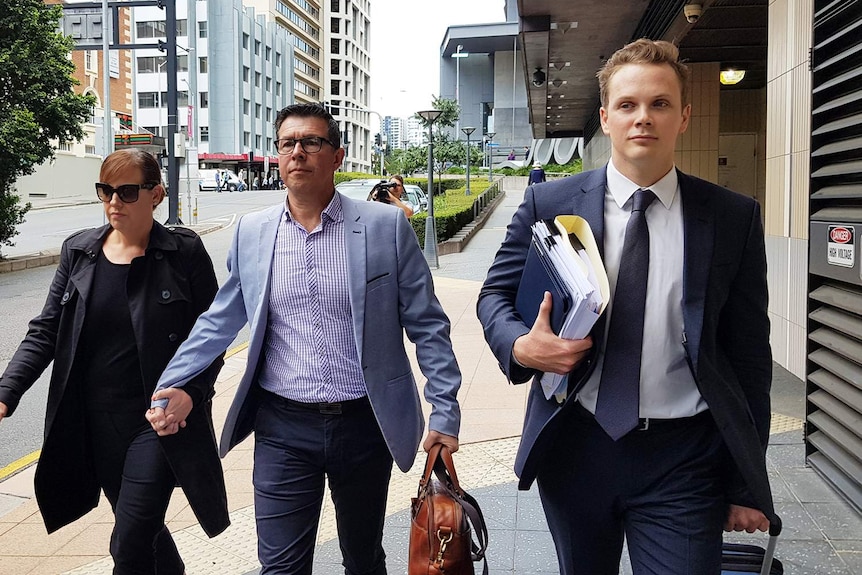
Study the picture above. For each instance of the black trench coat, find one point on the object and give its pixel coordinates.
(168, 288)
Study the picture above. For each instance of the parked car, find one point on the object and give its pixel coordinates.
(207, 180)
(417, 197)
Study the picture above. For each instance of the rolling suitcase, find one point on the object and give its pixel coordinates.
(738, 559)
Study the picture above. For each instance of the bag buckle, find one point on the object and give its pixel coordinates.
(444, 541)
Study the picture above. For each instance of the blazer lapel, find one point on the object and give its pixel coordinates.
(698, 234)
(355, 242)
(265, 254)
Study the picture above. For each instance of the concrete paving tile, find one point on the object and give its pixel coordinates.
(797, 523)
(35, 541)
(10, 502)
(501, 550)
(92, 541)
(19, 565)
(534, 553)
(809, 487)
(780, 490)
(63, 564)
(837, 520)
(786, 456)
(530, 516)
(103, 566)
(810, 558)
(26, 512)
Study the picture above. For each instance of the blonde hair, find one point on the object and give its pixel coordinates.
(645, 51)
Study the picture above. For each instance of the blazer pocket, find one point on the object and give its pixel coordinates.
(378, 278)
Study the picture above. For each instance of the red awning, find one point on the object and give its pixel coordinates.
(219, 156)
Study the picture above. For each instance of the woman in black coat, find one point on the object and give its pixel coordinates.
(122, 300)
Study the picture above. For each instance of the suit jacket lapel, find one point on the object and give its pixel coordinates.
(265, 254)
(355, 249)
(698, 233)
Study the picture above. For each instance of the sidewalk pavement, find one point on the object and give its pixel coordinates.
(822, 533)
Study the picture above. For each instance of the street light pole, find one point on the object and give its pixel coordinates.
(430, 116)
(490, 153)
(468, 130)
(458, 55)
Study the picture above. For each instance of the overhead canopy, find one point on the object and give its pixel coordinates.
(569, 42)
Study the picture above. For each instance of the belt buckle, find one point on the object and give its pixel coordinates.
(330, 408)
(643, 424)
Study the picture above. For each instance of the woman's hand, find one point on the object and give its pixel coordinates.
(3, 410)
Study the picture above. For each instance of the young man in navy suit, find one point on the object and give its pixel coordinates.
(661, 436)
(329, 287)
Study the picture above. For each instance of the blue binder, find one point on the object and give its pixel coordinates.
(538, 277)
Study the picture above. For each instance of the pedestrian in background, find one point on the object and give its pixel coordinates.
(329, 286)
(659, 436)
(537, 174)
(124, 297)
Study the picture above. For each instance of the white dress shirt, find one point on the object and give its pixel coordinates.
(667, 387)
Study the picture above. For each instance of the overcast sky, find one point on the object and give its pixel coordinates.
(405, 48)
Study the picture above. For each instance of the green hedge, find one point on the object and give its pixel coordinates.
(453, 209)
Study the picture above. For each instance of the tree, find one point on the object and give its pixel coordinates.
(37, 104)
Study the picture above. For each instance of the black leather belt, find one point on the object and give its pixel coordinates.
(653, 423)
(337, 408)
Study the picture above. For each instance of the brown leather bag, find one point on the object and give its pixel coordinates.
(441, 540)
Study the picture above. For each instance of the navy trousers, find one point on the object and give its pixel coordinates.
(662, 490)
(138, 482)
(296, 447)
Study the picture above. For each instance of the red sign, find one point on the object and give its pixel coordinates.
(840, 235)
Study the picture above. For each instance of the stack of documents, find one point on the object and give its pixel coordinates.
(565, 261)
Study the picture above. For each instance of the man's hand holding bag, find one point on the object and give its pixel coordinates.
(440, 535)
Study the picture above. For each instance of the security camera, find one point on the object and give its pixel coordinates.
(538, 78)
(692, 12)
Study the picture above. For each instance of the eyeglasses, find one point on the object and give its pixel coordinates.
(128, 193)
(310, 145)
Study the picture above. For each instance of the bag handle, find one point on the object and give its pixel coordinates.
(440, 462)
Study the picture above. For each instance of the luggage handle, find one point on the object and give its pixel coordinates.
(774, 532)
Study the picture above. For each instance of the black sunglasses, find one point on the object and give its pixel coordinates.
(128, 193)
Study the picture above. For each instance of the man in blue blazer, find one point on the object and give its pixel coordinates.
(329, 287)
(689, 459)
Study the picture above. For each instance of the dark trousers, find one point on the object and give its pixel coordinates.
(138, 482)
(660, 489)
(296, 446)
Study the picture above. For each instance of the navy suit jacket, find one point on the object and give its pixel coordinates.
(726, 328)
(391, 293)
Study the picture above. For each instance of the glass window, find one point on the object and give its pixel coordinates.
(268, 53)
(202, 30)
(257, 79)
(245, 72)
(245, 106)
(205, 100)
(269, 84)
(257, 47)
(245, 41)
(245, 139)
(148, 100)
(257, 142)
(203, 65)
(205, 133)
(257, 112)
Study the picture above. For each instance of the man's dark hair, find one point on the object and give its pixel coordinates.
(311, 111)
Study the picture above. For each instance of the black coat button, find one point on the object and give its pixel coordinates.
(66, 297)
(166, 294)
(173, 337)
(159, 255)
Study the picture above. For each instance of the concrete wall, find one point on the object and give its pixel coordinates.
(788, 131)
(67, 178)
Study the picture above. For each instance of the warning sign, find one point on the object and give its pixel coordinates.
(841, 246)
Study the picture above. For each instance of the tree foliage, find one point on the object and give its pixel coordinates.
(37, 104)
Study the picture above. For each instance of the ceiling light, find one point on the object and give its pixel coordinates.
(730, 77)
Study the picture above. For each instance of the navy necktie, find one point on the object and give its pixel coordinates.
(619, 390)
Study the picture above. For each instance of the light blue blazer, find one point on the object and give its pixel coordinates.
(391, 292)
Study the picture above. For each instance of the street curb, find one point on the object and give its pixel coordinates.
(52, 257)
